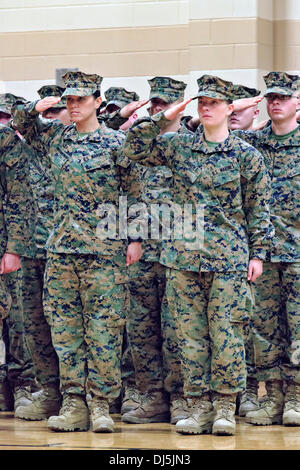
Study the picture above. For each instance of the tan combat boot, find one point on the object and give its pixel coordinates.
(153, 408)
(131, 399)
(224, 411)
(100, 419)
(249, 398)
(178, 408)
(270, 407)
(22, 396)
(291, 412)
(200, 419)
(73, 415)
(44, 404)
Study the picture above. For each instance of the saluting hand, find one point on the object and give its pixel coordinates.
(46, 103)
(172, 112)
(243, 103)
(132, 107)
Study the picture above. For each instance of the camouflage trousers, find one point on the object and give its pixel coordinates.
(211, 311)
(37, 330)
(143, 325)
(276, 320)
(18, 368)
(85, 301)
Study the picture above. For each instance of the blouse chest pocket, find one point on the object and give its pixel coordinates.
(227, 188)
(228, 177)
(99, 176)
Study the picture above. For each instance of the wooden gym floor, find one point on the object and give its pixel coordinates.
(16, 434)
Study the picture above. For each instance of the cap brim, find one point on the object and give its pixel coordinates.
(278, 91)
(78, 92)
(212, 94)
(163, 97)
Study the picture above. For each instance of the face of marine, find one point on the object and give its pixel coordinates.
(281, 108)
(243, 119)
(61, 114)
(157, 105)
(213, 113)
(82, 108)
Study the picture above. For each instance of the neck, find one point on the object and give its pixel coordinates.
(282, 128)
(173, 126)
(216, 134)
(89, 125)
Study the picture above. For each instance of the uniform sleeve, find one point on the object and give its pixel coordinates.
(32, 127)
(256, 191)
(18, 211)
(143, 141)
(250, 137)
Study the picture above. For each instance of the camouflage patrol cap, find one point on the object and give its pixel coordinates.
(215, 87)
(241, 91)
(53, 90)
(166, 89)
(120, 97)
(81, 84)
(7, 100)
(281, 83)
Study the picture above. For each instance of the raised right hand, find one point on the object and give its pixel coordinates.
(171, 113)
(46, 103)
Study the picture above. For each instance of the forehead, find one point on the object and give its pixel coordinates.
(207, 99)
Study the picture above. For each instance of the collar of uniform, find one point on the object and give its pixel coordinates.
(267, 137)
(200, 144)
(71, 133)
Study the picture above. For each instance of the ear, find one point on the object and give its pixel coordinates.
(98, 102)
(230, 109)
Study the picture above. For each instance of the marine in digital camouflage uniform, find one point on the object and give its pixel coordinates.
(38, 334)
(207, 289)
(244, 120)
(156, 366)
(277, 305)
(85, 278)
(16, 211)
(17, 375)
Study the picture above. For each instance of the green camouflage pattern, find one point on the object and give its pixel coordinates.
(230, 184)
(276, 321)
(37, 330)
(282, 83)
(81, 84)
(40, 178)
(215, 87)
(282, 161)
(120, 96)
(96, 175)
(18, 368)
(5, 301)
(7, 100)
(85, 303)
(166, 88)
(16, 215)
(211, 312)
(242, 91)
(143, 326)
(53, 90)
